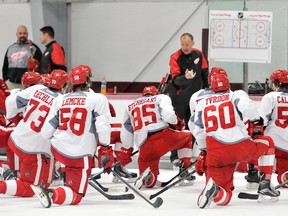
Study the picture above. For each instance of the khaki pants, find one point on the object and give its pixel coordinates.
(12, 85)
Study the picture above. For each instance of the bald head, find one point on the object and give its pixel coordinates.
(187, 43)
(22, 34)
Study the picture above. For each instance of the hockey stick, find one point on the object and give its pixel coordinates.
(171, 185)
(158, 202)
(244, 195)
(163, 184)
(164, 82)
(105, 189)
(31, 48)
(109, 196)
(94, 176)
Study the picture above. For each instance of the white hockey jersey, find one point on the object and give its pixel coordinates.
(274, 111)
(145, 115)
(75, 123)
(37, 100)
(221, 116)
(194, 100)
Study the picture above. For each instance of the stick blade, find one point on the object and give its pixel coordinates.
(243, 195)
(158, 202)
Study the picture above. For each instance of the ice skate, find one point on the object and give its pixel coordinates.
(267, 193)
(188, 179)
(143, 178)
(205, 198)
(253, 179)
(7, 174)
(125, 173)
(177, 163)
(59, 178)
(43, 194)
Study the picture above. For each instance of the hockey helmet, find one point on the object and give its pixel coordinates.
(87, 69)
(150, 90)
(78, 76)
(280, 75)
(219, 83)
(46, 79)
(58, 79)
(215, 71)
(31, 78)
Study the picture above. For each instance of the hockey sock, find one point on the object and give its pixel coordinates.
(66, 196)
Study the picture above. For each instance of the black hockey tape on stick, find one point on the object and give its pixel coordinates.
(110, 196)
(170, 185)
(244, 195)
(94, 176)
(158, 202)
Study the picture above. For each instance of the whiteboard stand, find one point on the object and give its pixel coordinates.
(245, 77)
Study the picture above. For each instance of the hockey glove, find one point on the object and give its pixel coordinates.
(255, 128)
(16, 119)
(200, 166)
(179, 126)
(124, 156)
(105, 157)
(4, 87)
(33, 65)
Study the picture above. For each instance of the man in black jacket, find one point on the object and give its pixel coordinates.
(54, 55)
(189, 71)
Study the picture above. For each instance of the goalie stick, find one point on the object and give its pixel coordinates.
(163, 184)
(171, 185)
(244, 195)
(158, 202)
(110, 196)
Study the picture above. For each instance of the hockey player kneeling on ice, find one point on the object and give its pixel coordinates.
(273, 109)
(115, 139)
(36, 161)
(218, 118)
(74, 124)
(152, 124)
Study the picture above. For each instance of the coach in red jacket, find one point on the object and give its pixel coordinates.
(189, 71)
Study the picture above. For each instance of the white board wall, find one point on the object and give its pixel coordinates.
(119, 40)
(148, 33)
(279, 56)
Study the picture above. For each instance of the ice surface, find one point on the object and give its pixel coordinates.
(177, 201)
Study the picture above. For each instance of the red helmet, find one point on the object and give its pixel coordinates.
(46, 79)
(31, 78)
(214, 71)
(78, 76)
(280, 75)
(220, 83)
(58, 79)
(87, 69)
(150, 90)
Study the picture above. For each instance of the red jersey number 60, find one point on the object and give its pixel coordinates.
(225, 116)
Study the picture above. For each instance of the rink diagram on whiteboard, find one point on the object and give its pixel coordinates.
(240, 36)
(253, 34)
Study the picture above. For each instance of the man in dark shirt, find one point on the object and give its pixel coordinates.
(54, 55)
(189, 71)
